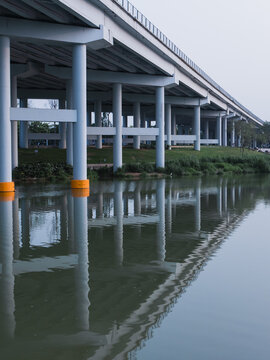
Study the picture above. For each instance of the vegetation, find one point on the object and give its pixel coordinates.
(50, 163)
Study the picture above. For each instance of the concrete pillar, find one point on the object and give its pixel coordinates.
(161, 236)
(82, 269)
(225, 131)
(197, 127)
(14, 124)
(69, 125)
(233, 134)
(206, 129)
(23, 128)
(117, 123)
(98, 121)
(219, 130)
(79, 97)
(125, 121)
(137, 124)
(62, 128)
(6, 183)
(168, 124)
(118, 230)
(7, 282)
(160, 103)
(173, 126)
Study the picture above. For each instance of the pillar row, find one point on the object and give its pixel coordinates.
(219, 130)
(14, 124)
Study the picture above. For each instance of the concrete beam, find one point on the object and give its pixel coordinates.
(173, 100)
(114, 77)
(44, 115)
(37, 31)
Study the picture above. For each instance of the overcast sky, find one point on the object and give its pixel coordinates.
(229, 39)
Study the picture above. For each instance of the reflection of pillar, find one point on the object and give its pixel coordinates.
(70, 207)
(198, 206)
(118, 230)
(219, 197)
(82, 270)
(233, 195)
(63, 218)
(225, 196)
(16, 228)
(169, 211)
(7, 302)
(138, 208)
(25, 218)
(161, 237)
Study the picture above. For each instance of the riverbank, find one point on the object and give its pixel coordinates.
(49, 164)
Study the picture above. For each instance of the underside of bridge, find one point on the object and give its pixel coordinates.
(102, 56)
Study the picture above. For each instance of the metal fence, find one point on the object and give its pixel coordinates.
(138, 16)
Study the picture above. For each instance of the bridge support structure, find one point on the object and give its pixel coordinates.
(79, 99)
(117, 122)
(197, 127)
(160, 103)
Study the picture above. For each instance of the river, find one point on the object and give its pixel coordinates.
(141, 270)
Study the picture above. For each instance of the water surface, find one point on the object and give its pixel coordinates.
(154, 269)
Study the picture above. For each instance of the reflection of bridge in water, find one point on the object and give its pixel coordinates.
(157, 237)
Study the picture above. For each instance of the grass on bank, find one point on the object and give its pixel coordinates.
(49, 163)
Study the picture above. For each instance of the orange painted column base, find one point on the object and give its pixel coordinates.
(80, 188)
(7, 191)
(7, 187)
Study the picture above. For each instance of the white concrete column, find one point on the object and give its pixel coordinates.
(69, 125)
(206, 129)
(5, 123)
(137, 124)
(79, 84)
(14, 124)
(168, 124)
(23, 128)
(233, 134)
(160, 109)
(161, 235)
(197, 127)
(62, 128)
(173, 126)
(82, 269)
(225, 131)
(98, 121)
(118, 230)
(117, 123)
(7, 281)
(219, 130)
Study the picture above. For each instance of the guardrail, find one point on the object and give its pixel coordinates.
(138, 16)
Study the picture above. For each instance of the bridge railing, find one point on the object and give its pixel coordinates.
(138, 16)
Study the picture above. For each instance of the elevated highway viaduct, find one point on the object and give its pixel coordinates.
(103, 56)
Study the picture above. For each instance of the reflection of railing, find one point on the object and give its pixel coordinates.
(138, 16)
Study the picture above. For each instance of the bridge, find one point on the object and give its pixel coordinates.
(103, 56)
